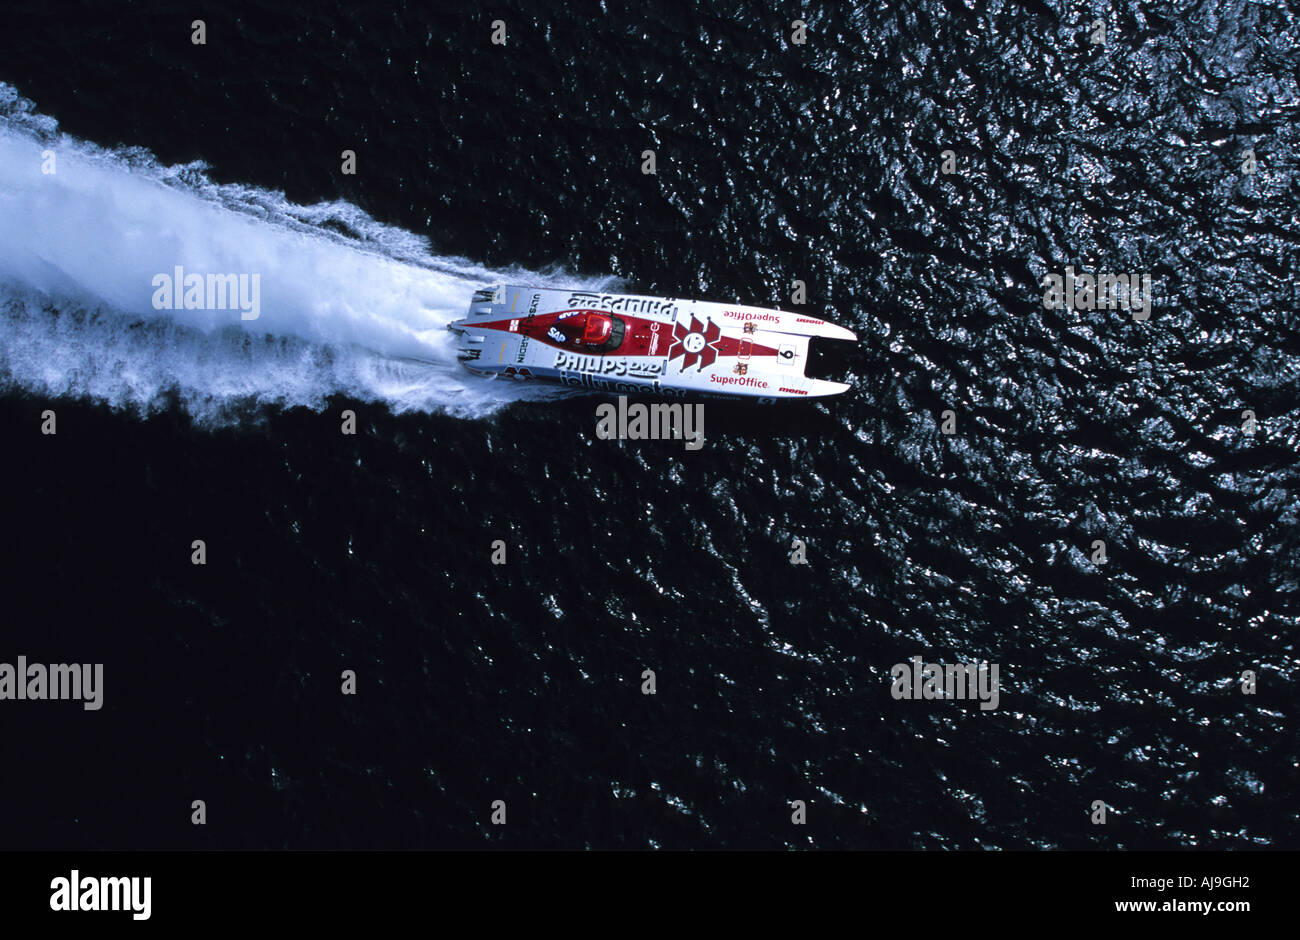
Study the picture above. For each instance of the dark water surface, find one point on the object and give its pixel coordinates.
(776, 162)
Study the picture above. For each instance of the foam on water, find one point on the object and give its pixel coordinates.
(346, 302)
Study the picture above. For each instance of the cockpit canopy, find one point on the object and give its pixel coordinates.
(589, 329)
(597, 329)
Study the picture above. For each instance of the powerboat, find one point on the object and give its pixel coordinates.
(648, 345)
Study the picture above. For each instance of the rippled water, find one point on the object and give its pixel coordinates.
(823, 163)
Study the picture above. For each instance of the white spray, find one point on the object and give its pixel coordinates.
(81, 249)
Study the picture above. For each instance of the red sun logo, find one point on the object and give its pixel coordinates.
(699, 343)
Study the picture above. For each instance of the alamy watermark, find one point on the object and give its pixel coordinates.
(1105, 291)
(181, 291)
(83, 682)
(921, 680)
(657, 422)
(77, 893)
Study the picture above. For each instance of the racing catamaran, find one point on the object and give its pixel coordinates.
(649, 345)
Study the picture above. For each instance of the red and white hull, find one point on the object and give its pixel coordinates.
(632, 344)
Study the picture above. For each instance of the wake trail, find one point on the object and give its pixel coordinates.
(347, 305)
